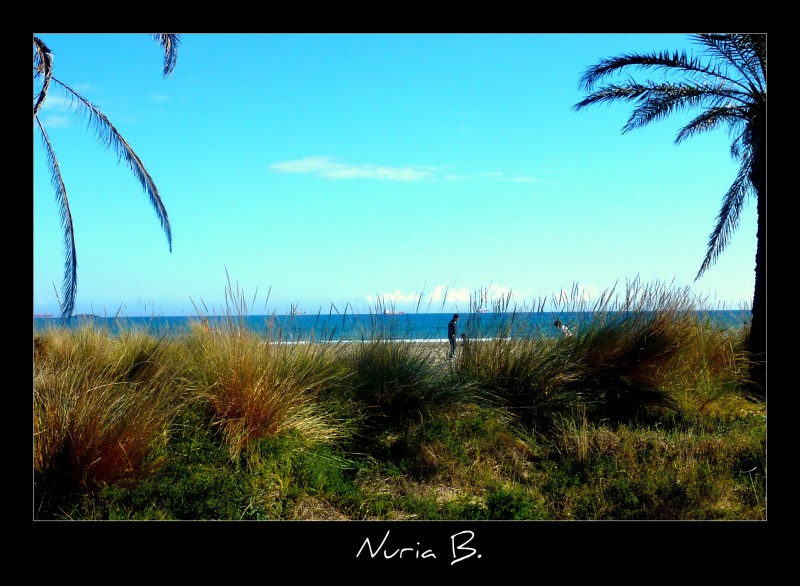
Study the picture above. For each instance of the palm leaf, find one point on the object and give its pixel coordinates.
(111, 138)
(728, 217)
(42, 66)
(731, 87)
(69, 287)
(169, 42)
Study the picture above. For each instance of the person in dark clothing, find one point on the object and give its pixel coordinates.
(452, 328)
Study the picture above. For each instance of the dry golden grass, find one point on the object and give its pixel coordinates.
(256, 389)
(101, 406)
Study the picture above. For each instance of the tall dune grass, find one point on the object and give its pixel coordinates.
(256, 387)
(639, 414)
(632, 355)
(101, 407)
(400, 381)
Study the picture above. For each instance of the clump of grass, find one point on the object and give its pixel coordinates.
(641, 356)
(400, 381)
(711, 371)
(257, 388)
(528, 376)
(101, 407)
(638, 357)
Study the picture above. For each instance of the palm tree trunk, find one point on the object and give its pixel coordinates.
(757, 342)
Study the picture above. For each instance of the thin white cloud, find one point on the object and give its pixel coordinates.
(61, 100)
(56, 102)
(331, 169)
(57, 122)
(394, 297)
(83, 87)
(494, 292)
(442, 294)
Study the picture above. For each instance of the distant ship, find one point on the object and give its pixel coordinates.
(42, 315)
(480, 310)
(296, 312)
(387, 312)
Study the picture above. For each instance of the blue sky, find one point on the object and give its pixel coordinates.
(344, 170)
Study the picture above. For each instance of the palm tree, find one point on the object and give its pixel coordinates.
(731, 89)
(109, 136)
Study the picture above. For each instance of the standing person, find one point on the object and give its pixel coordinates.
(564, 329)
(452, 328)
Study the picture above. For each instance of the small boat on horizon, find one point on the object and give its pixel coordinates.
(387, 312)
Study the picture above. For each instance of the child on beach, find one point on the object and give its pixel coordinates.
(564, 329)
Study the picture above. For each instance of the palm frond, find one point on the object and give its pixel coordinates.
(111, 138)
(42, 66)
(169, 42)
(69, 288)
(661, 100)
(728, 217)
(606, 68)
(711, 80)
(733, 116)
(745, 53)
(670, 63)
(655, 100)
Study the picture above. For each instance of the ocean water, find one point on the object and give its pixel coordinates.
(357, 327)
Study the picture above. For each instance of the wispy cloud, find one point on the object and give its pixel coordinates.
(57, 102)
(82, 87)
(442, 294)
(396, 296)
(54, 121)
(54, 105)
(331, 169)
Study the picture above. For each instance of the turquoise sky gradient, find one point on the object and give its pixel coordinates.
(344, 169)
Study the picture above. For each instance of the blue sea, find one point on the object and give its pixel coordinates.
(333, 327)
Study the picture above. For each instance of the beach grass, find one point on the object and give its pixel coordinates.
(642, 413)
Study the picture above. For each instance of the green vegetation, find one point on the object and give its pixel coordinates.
(642, 414)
